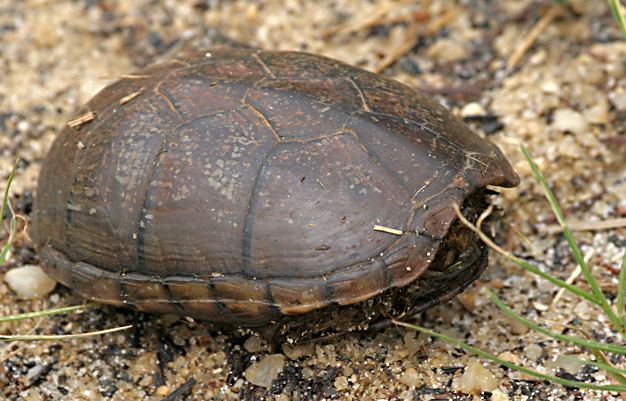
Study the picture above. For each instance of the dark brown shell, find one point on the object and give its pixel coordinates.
(242, 187)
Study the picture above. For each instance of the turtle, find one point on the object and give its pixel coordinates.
(283, 192)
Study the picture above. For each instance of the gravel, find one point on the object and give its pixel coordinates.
(29, 282)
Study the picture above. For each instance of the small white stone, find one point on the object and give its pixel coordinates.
(410, 378)
(563, 362)
(473, 109)
(499, 395)
(475, 379)
(341, 383)
(618, 99)
(567, 119)
(29, 282)
(550, 86)
(598, 113)
(539, 306)
(263, 373)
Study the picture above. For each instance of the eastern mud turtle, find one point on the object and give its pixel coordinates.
(242, 187)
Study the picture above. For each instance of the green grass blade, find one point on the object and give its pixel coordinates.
(48, 312)
(574, 340)
(6, 191)
(12, 234)
(601, 299)
(564, 382)
(621, 293)
(13, 222)
(619, 15)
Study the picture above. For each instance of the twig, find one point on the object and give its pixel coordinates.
(532, 36)
(411, 36)
(375, 19)
(388, 230)
(573, 276)
(82, 119)
(585, 226)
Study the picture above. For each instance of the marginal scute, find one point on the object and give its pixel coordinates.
(56, 264)
(243, 299)
(195, 298)
(299, 296)
(108, 288)
(408, 258)
(358, 283)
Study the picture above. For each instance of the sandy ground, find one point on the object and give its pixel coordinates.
(565, 99)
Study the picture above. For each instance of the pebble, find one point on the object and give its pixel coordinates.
(411, 342)
(163, 391)
(341, 383)
(568, 147)
(410, 378)
(618, 99)
(475, 379)
(499, 395)
(567, 119)
(571, 366)
(533, 351)
(473, 109)
(540, 306)
(295, 352)
(442, 359)
(263, 373)
(517, 327)
(598, 113)
(508, 356)
(616, 69)
(582, 310)
(550, 86)
(29, 282)
(254, 344)
(447, 50)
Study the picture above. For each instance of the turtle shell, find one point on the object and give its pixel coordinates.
(242, 188)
